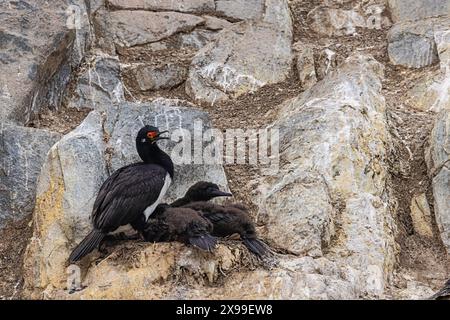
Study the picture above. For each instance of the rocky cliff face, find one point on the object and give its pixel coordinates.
(353, 199)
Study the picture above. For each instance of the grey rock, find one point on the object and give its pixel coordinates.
(104, 37)
(329, 20)
(442, 38)
(196, 39)
(333, 138)
(326, 61)
(415, 290)
(214, 23)
(23, 151)
(278, 14)
(73, 172)
(189, 42)
(438, 160)
(240, 61)
(335, 22)
(421, 216)
(36, 56)
(432, 91)
(412, 44)
(424, 94)
(160, 77)
(94, 5)
(412, 10)
(302, 210)
(192, 6)
(240, 9)
(131, 28)
(99, 85)
(305, 65)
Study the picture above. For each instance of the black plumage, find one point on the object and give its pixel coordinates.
(226, 219)
(130, 194)
(200, 191)
(231, 219)
(180, 224)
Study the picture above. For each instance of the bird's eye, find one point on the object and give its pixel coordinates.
(151, 134)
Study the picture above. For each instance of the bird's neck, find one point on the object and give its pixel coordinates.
(181, 202)
(153, 154)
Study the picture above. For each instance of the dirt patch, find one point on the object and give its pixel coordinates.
(135, 95)
(371, 41)
(423, 258)
(62, 121)
(251, 111)
(143, 56)
(15, 236)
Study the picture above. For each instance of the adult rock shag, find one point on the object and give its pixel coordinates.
(180, 224)
(226, 219)
(131, 194)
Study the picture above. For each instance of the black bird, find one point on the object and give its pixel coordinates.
(201, 191)
(180, 224)
(226, 219)
(131, 194)
(231, 219)
(444, 293)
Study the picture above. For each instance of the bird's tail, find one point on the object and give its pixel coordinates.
(204, 242)
(256, 246)
(89, 243)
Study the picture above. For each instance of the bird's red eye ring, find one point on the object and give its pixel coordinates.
(152, 134)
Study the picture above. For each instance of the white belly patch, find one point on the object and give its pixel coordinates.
(150, 209)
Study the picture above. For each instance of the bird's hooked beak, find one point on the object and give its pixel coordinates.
(218, 193)
(158, 137)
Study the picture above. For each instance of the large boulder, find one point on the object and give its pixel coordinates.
(438, 159)
(412, 44)
(432, 91)
(328, 198)
(36, 57)
(192, 6)
(128, 28)
(412, 40)
(99, 85)
(412, 10)
(240, 60)
(164, 76)
(214, 23)
(78, 164)
(240, 9)
(23, 151)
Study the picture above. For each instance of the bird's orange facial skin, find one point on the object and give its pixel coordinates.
(152, 134)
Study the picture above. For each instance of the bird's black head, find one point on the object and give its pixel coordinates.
(149, 135)
(205, 191)
(148, 149)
